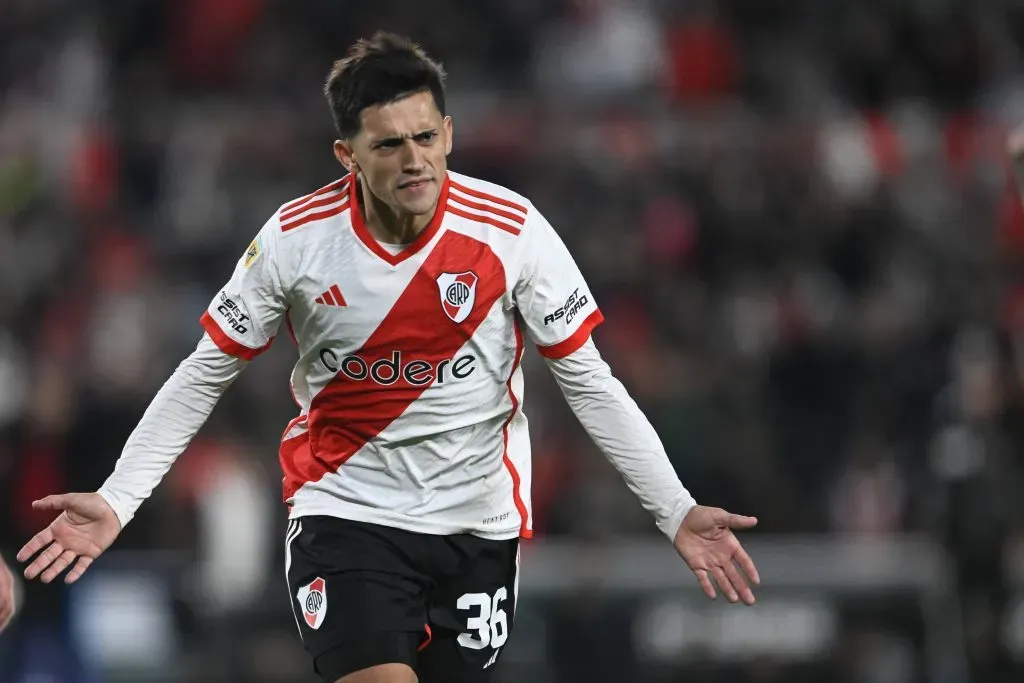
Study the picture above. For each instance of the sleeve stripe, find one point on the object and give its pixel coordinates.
(330, 198)
(486, 208)
(575, 341)
(489, 220)
(226, 343)
(488, 197)
(316, 215)
(293, 205)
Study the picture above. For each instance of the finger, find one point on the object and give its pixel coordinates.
(740, 521)
(733, 574)
(54, 502)
(705, 583)
(76, 572)
(37, 543)
(59, 565)
(44, 560)
(724, 584)
(747, 565)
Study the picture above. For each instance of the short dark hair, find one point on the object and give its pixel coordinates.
(379, 70)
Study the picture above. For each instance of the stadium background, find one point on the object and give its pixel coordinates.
(796, 215)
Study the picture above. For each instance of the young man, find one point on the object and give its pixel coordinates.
(408, 290)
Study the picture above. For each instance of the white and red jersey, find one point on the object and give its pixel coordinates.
(408, 380)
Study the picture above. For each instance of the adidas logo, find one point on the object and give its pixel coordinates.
(332, 297)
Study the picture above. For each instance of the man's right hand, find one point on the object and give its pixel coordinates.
(85, 527)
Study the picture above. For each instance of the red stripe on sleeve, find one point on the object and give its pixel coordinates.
(292, 205)
(315, 216)
(484, 219)
(515, 218)
(575, 341)
(329, 199)
(489, 197)
(226, 343)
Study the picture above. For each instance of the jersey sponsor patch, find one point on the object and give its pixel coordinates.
(385, 371)
(253, 252)
(458, 292)
(573, 305)
(313, 600)
(233, 313)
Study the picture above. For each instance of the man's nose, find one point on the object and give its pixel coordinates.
(412, 156)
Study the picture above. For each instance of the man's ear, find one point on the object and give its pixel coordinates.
(346, 156)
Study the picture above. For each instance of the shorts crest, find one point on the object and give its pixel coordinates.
(313, 600)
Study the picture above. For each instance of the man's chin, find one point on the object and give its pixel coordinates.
(420, 206)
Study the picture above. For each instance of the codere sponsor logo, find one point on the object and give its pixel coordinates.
(387, 371)
(573, 305)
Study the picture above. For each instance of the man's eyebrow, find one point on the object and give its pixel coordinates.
(399, 138)
(391, 138)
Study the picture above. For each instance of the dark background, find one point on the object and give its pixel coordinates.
(797, 217)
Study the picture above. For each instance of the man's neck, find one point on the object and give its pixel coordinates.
(387, 226)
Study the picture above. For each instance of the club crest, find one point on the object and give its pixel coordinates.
(458, 292)
(313, 600)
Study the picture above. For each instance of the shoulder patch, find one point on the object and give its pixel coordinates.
(253, 252)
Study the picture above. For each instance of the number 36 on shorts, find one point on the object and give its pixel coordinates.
(487, 625)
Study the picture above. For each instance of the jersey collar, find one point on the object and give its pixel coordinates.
(420, 241)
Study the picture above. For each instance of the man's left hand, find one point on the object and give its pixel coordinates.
(707, 542)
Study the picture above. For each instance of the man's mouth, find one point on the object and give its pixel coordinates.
(413, 184)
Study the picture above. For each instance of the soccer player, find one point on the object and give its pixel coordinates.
(409, 291)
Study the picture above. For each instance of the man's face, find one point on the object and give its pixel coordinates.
(401, 150)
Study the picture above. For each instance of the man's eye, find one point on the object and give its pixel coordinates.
(426, 137)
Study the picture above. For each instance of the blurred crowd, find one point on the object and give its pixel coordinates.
(797, 216)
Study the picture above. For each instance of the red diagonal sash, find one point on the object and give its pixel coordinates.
(346, 414)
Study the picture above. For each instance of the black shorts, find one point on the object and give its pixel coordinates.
(365, 594)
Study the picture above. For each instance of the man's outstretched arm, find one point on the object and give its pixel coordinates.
(240, 323)
(616, 424)
(88, 523)
(171, 421)
(559, 312)
(703, 536)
